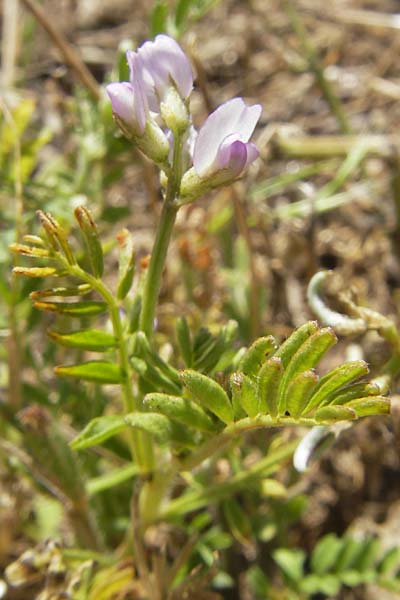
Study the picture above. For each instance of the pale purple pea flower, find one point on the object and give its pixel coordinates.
(162, 64)
(223, 141)
(128, 100)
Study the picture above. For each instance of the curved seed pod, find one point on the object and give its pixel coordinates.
(343, 324)
(268, 386)
(244, 394)
(254, 357)
(298, 393)
(290, 346)
(335, 380)
(306, 357)
(209, 394)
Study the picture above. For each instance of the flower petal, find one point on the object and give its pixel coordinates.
(164, 61)
(122, 101)
(232, 117)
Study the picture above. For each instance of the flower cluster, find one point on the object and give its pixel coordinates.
(153, 110)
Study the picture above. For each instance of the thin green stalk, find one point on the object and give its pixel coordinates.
(163, 236)
(204, 497)
(142, 449)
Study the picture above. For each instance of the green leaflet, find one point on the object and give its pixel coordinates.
(244, 393)
(209, 394)
(331, 414)
(237, 520)
(289, 347)
(160, 427)
(298, 393)
(255, 356)
(92, 242)
(98, 371)
(180, 409)
(325, 554)
(184, 341)
(269, 379)
(87, 339)
(98, 430)
(334, 381)
(153, 376)
(306, 357)
(375, 405)
(153, 359)
(353, 392)
(126, 264)
(74, 309)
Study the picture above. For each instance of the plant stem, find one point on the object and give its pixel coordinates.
(141, 446)
(163, 236)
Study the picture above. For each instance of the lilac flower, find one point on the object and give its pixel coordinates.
(222, 149)
(223, 141)
(162, 64)
(128, 100)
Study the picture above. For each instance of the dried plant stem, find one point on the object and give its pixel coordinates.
(68, 52)
(316, 67)
(9, 45)
(334, 145)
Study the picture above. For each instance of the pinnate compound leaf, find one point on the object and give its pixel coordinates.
(87, 339)
(180, 409)
(98, 371)
(209, 394)
(331, 414)
(98, 430)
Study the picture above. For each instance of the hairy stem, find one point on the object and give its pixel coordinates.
(163, 237)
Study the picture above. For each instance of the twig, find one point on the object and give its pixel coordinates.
(335, 145)
(10, 41)
(68, 52)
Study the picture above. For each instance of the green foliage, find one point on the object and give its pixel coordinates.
(334, 563)
(175, 18)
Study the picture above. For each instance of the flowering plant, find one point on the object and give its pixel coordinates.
(172, 422)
